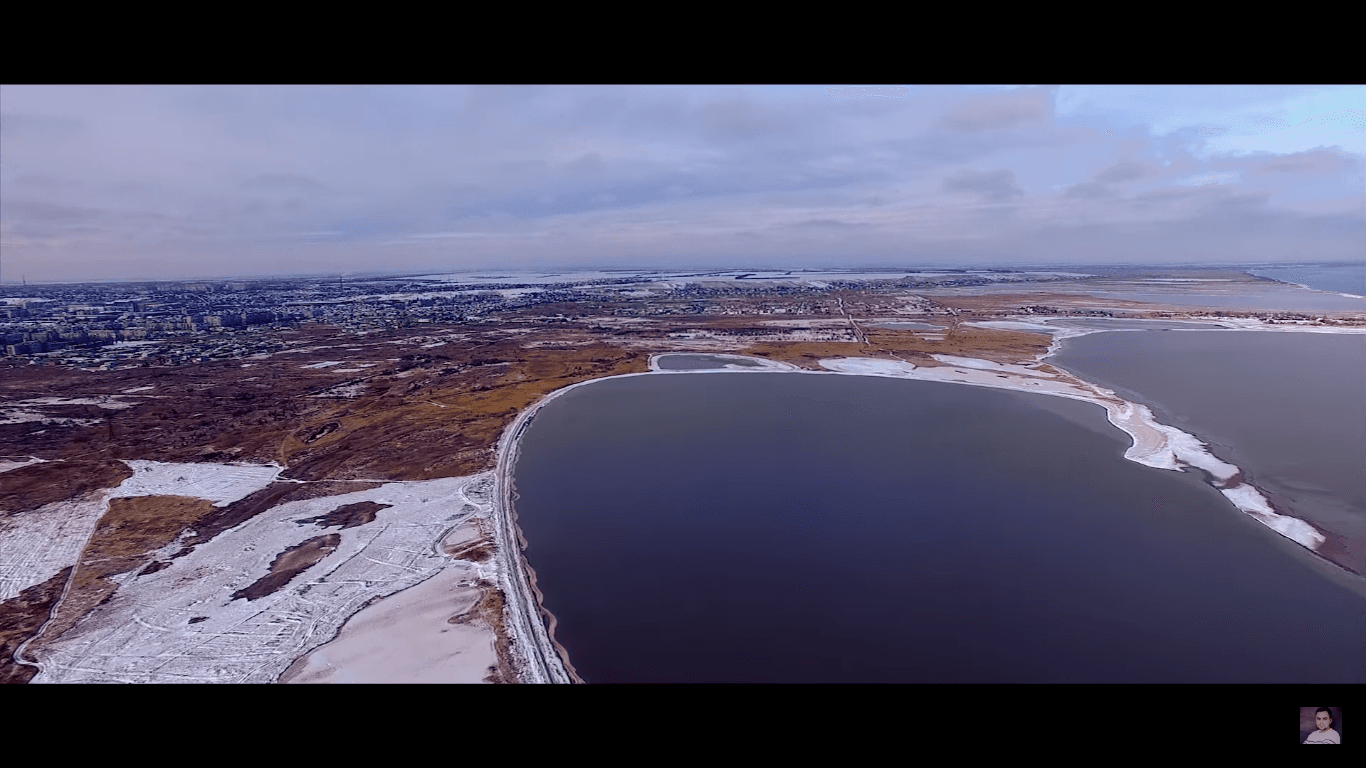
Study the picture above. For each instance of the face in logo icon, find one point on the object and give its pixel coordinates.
(1323, 721)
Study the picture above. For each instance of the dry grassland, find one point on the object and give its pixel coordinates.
(124, 535)
(27, 488)
(912, 346)
(20, 617)
(288, 564)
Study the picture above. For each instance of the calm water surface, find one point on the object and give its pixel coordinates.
(1340, 278)
(823, 528)
(1288, 408)
(686, 362)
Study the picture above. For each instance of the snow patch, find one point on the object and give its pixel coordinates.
(7, 466)
(869, 366)
(105, 401)
(219, 483)
(988, 365)
(1248, 499)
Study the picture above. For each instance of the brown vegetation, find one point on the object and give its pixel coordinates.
(289, 564)
(20, 617)
(490, 608)
(347, 515)
(30, 487)
(222, 518)
(479, 551)
(125, 534)
(444, 416)
(911, 346)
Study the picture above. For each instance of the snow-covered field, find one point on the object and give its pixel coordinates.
(219, 483)
(38, 544)
(146, 634)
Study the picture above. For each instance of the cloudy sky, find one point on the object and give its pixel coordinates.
(127, 182)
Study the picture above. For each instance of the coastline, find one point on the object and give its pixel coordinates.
(1154, 444)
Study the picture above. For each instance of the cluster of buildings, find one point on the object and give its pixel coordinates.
(37, 325)
(113, 325)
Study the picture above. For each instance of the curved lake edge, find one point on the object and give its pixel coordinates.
(1153, 444)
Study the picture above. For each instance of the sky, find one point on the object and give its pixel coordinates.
(139, 182)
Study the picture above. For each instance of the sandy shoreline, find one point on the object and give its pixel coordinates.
(436, 646)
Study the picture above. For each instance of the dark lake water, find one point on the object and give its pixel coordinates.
(823, 528)
(686, 362)
(1288, 408)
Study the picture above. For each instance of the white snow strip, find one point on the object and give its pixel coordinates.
(19, 417)
(1248, 499)
(988, 365)
(7, 466)
(323, 364)
(102, 402)
(137, 389)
